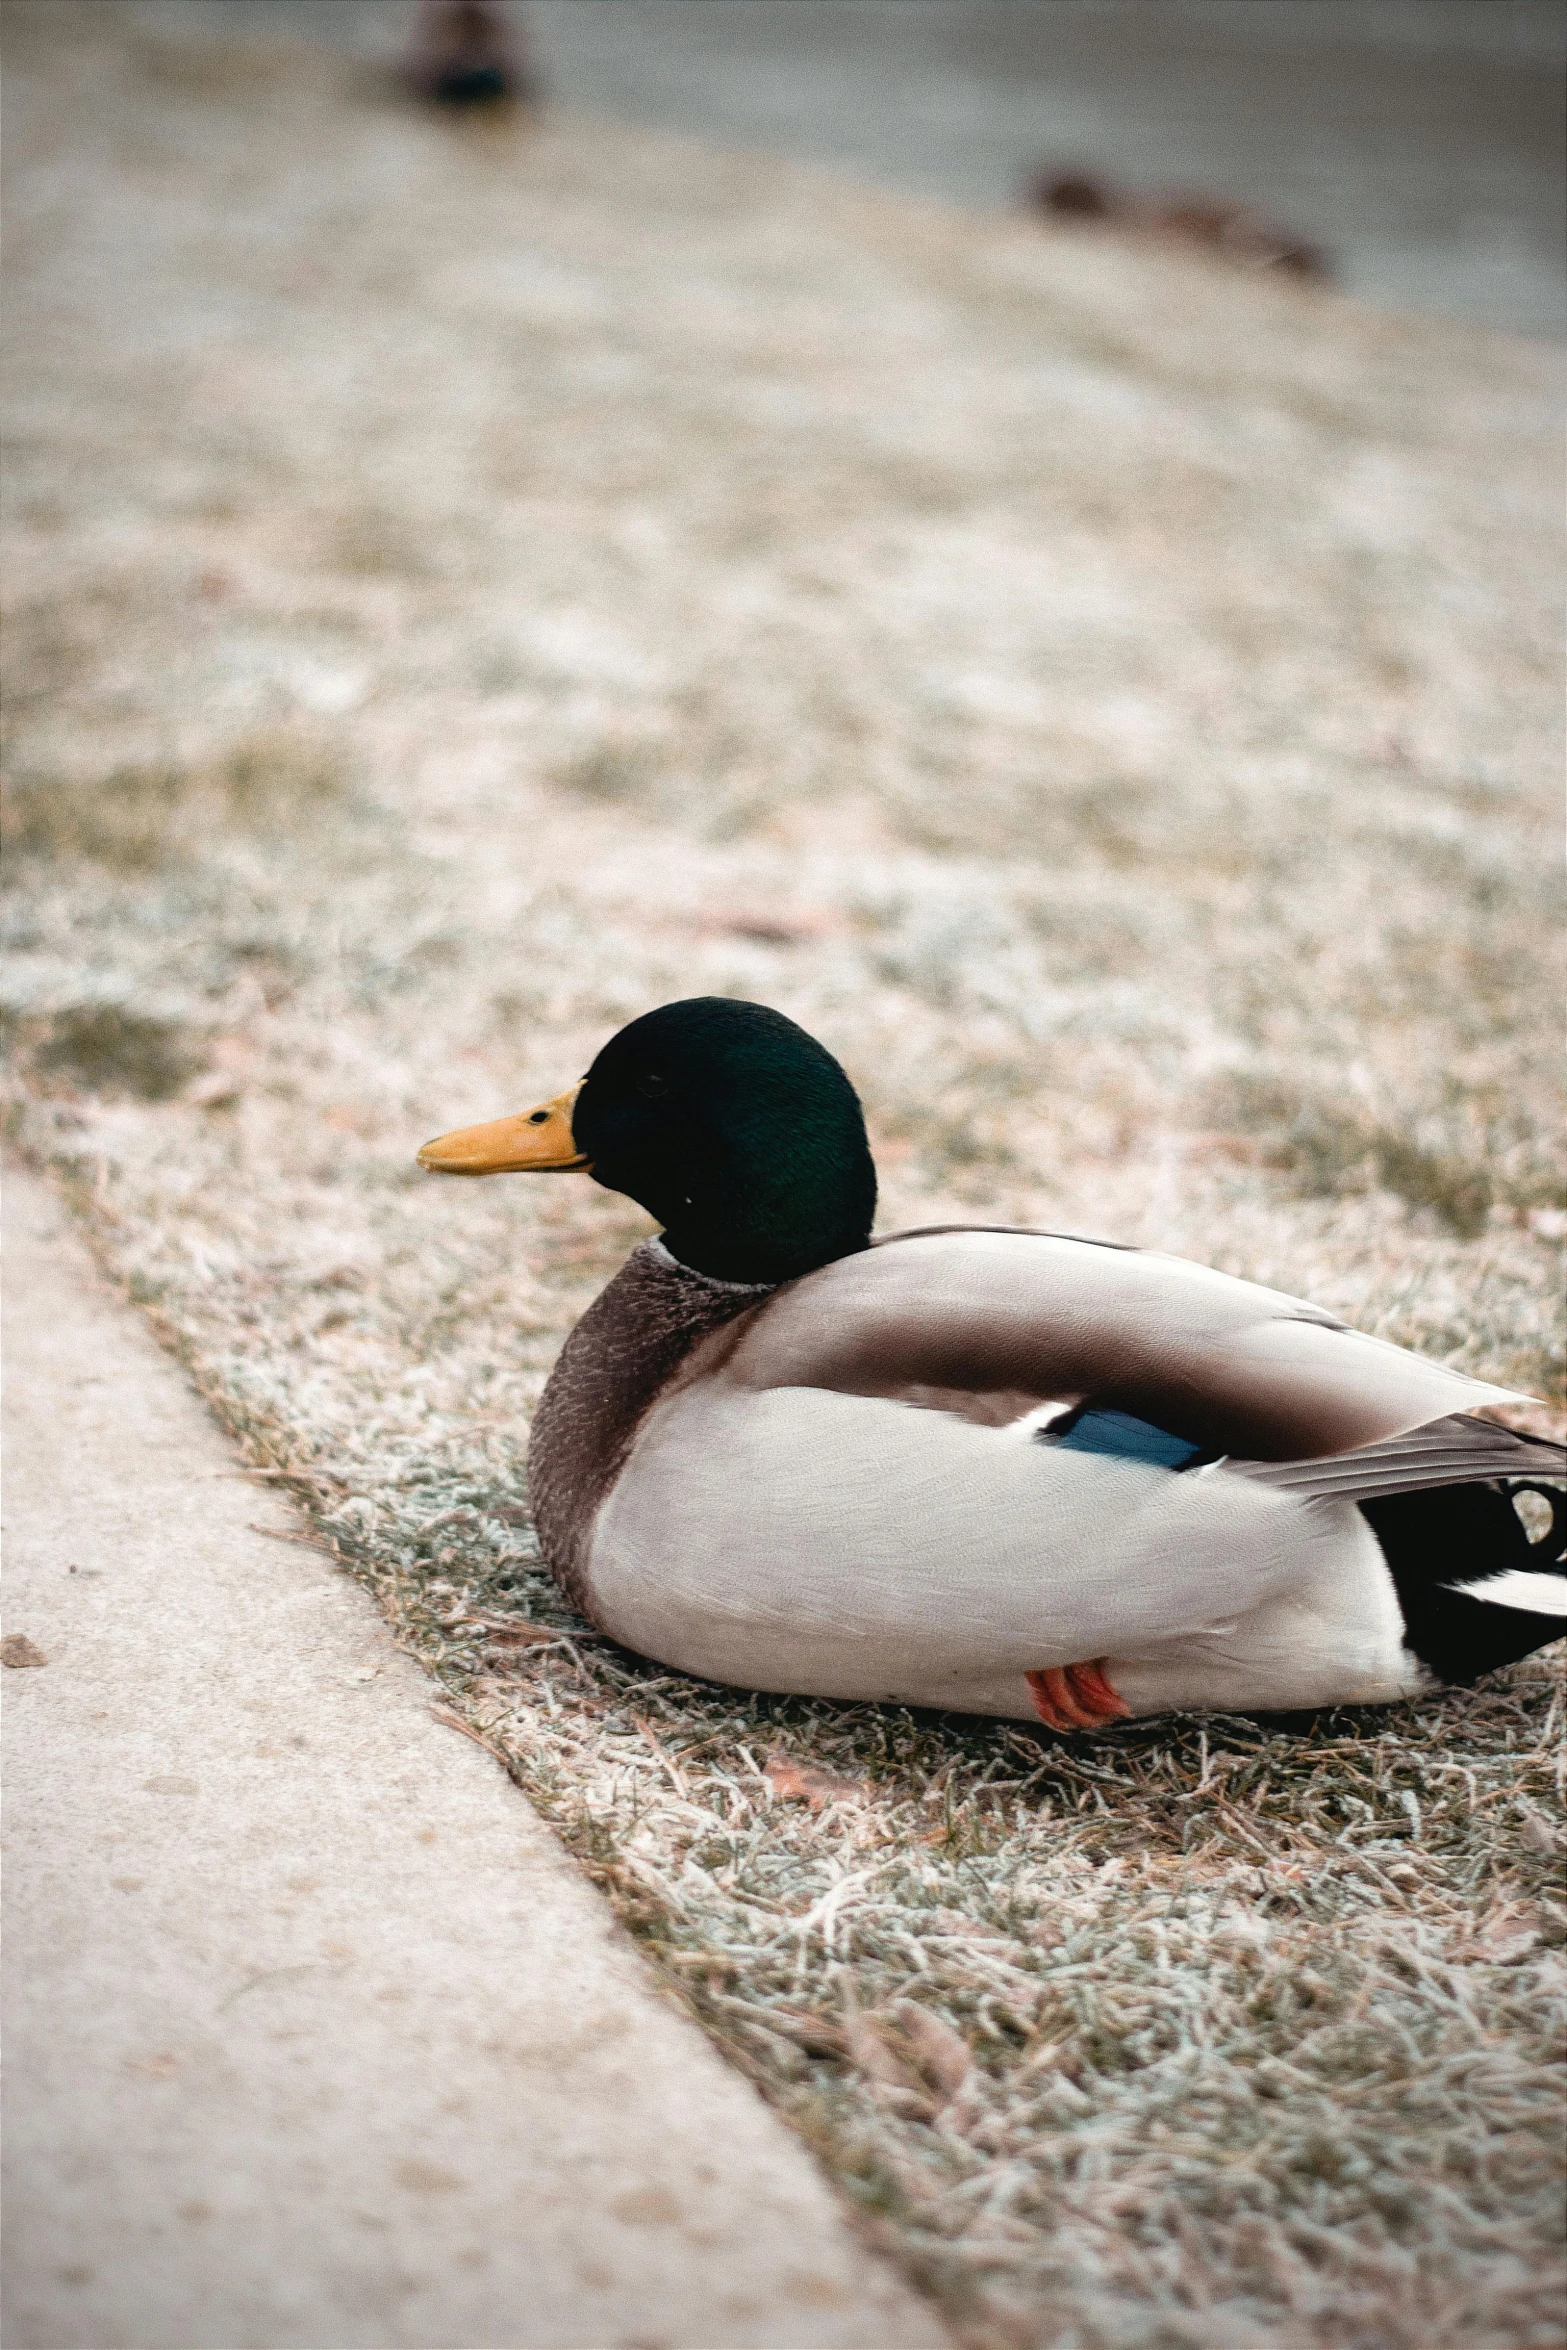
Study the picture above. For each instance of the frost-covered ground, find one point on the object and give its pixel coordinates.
(468, 585)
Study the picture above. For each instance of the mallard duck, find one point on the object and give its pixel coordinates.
(465, 56)
(1010, 1472)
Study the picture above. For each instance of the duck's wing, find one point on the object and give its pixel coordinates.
(786, 1520)
(991, 1324)
(1461, 1450)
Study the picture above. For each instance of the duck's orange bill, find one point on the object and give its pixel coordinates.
(540, 1142)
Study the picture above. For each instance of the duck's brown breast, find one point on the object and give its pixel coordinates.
(634, 1339)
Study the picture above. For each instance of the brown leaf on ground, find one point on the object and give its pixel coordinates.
(799, 1782)
(875, 2048)
(957, 1923)
(17, 1649)
(1539, 1832)
(522, 1636)
(216, 1089)
(915, 2060)
(818, 2035)
(941, 2054)
(1508, 1932)
(764, 929)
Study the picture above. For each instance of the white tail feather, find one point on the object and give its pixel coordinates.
(1536, 1594)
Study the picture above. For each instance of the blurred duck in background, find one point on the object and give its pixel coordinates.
(467, 55)
(1231, 230)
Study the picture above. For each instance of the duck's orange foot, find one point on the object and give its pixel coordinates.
(1076, 1697)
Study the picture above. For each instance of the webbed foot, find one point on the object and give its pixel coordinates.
(1076, 1697)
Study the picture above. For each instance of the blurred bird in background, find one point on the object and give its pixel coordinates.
(467, 55)
(1231, 230)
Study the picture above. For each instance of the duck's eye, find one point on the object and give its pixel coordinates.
(538, 1117)
(651, 1085)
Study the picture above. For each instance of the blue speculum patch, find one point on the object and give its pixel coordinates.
(1127, 1439)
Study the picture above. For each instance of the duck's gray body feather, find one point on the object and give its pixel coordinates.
(827, 1488)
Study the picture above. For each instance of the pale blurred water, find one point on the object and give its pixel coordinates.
(1420, 140)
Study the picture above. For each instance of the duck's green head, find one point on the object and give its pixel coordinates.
(739, 1132)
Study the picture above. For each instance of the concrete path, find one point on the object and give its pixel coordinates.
(314, 2035)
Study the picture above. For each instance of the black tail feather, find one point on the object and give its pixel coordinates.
(1457, 1534)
